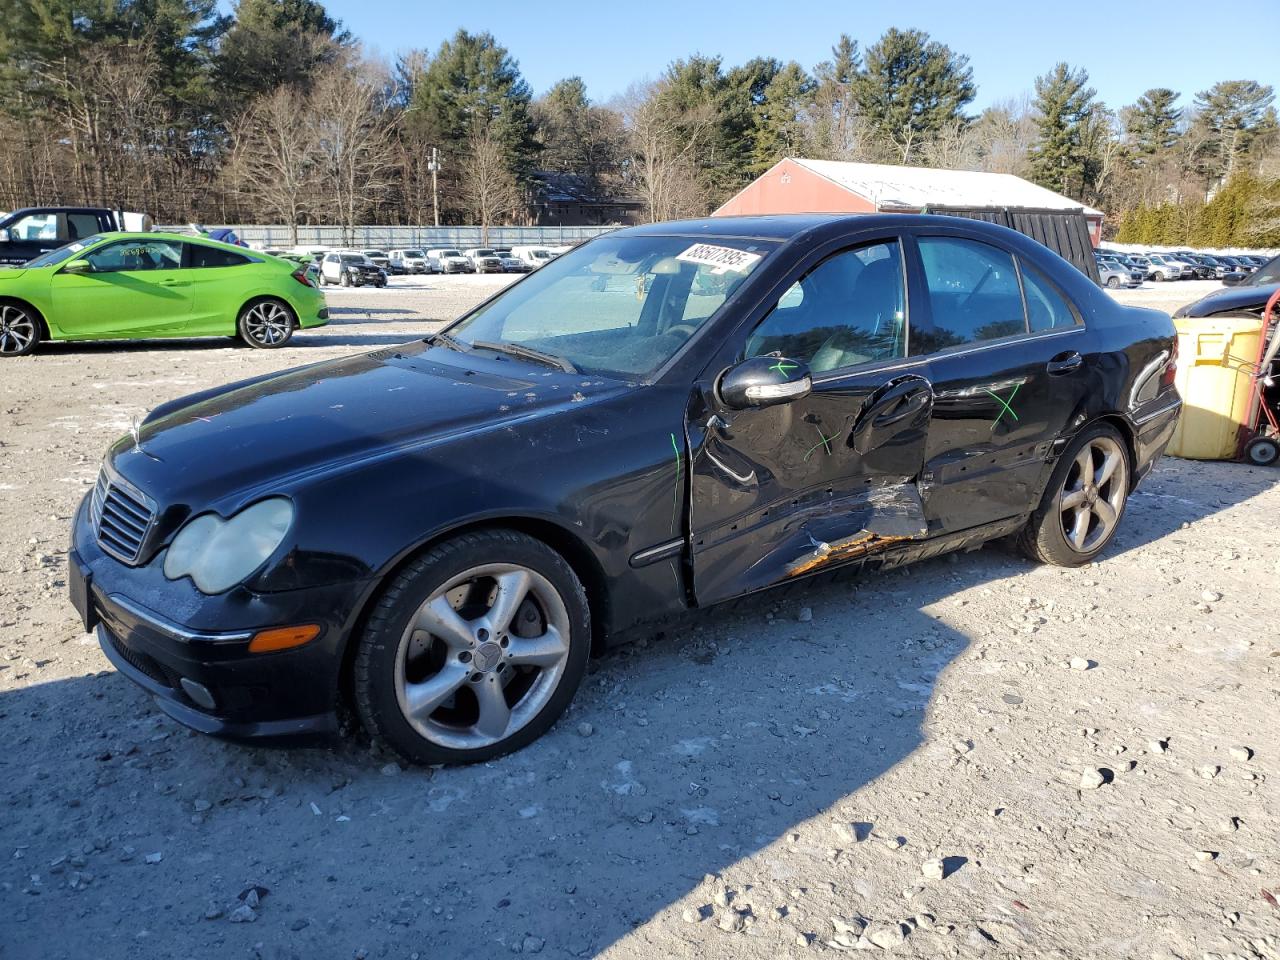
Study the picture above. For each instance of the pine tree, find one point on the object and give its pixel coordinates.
(1063, 103)
(472, 91)
(912, 88)
(276, 42)
(1152, 122)
(1232, 113)
(779, 117)
(835, 108)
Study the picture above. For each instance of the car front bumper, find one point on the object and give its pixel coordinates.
(194, 659)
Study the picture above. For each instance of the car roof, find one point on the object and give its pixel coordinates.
(177, 237)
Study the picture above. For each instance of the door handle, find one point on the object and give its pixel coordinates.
(1064, 363)
(909, 405)
(175, 283)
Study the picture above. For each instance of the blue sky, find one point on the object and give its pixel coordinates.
(1126, 49)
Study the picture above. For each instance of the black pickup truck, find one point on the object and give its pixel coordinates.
(29, 232)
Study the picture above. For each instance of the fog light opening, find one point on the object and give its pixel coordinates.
(283, 638)
(198, 692)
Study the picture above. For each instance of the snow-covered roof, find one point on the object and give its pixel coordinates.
(913, 188)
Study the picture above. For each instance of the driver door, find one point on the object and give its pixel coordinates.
(134, 286)
(784, 490)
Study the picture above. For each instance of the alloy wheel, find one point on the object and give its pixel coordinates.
(17, 330)
(482, 656)
(1093, 494)
(268, 323)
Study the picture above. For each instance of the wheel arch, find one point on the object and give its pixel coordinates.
(574, 551)
(44, 332)
(266, 295)
(1128, 433)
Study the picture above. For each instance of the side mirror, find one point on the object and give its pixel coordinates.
(764, 382)
(78, 266)
(1232, 279)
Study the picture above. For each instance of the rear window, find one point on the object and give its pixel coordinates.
(200, 256)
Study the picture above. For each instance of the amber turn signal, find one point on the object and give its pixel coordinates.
(282, 638)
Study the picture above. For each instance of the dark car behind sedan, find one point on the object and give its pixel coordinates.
(667, 417)
(1245, 293)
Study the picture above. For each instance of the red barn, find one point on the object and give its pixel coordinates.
(794, 185)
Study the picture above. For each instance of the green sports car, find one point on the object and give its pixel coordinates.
(132, 285)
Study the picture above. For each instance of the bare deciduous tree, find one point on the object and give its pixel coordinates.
(489, 188)
(353, 140)
(664, 146)
(274, 160)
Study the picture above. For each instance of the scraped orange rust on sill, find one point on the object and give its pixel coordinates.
(861, 543)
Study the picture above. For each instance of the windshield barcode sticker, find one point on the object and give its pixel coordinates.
(720, 259)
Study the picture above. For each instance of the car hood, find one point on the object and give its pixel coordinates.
(1228, 299)
(269, 433)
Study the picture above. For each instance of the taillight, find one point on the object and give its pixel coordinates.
(1170, 372)
(301, 276)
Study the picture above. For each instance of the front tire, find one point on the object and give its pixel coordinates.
(1083, 502)
(1262, 451)
(266, 324)
(20, 330)
(1113, 282)
(474, 650)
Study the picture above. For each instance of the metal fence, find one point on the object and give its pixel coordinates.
(398, 238)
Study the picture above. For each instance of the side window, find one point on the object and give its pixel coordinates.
(1046, 309)
(136, 255)
(973, 293)
(81, 225)
(38, 226)
(849, 309)
(202, 256)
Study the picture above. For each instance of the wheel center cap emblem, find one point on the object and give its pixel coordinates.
(487, 656)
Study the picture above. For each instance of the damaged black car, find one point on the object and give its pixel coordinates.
(439, 534)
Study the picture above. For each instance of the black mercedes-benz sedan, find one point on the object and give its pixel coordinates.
(669, 416)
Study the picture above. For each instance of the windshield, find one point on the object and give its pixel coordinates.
(484, 253)
(450, 253)
(618, 306)
(1270, 273)
(54, 257)
(413, 253)
(352, 258)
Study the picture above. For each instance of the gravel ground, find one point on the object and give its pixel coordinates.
(972, 757)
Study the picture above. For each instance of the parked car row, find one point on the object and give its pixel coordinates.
(419, 261)
(1175, 265)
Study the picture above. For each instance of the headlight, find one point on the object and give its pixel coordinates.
(217, 554)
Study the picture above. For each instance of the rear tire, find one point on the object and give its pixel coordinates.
(266, 324)
(474, 650)
(1083, 502)
(21, 330)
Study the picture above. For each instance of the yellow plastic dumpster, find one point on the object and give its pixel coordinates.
(1215, 358)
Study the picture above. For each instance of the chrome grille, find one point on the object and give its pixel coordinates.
(121, 517)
